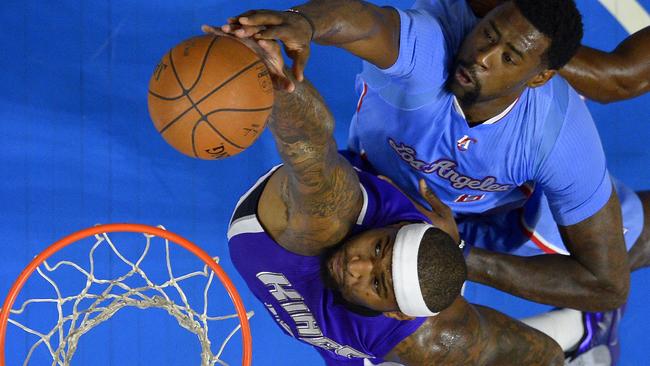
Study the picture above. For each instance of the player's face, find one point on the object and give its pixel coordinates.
(499, 58)
(361, 269)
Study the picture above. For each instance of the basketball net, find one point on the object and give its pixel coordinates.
(91, 308)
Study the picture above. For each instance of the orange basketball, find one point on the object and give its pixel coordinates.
(210, 97)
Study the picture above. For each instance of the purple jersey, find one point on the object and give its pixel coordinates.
(290, 287)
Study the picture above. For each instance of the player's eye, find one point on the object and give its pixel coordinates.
(377, 249)
(508, 59)
(488, 36)
(375, 285)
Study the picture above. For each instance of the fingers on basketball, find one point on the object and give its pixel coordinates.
(299, 64)
(275, 64)
(246, 31)
(262, 17)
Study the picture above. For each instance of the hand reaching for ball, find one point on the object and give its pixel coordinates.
(270, 53)
(293, 28)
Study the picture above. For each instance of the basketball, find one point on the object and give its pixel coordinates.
(210, 97)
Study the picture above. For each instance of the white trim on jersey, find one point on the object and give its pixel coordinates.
(490, 121)
(250, 224)
(246, 224)
(367, 362)
(245, 195)
(364, 208)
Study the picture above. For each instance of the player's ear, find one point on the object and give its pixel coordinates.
(541, 78)
(398, 315)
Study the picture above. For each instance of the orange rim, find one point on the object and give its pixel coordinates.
(247, 343)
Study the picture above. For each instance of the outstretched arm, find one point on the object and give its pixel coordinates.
(315, 198)
(466, 334)
(611, 76)
(364, 29)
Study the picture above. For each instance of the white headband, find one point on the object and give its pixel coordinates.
(406, 282)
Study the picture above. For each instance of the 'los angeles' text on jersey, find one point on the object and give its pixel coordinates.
(446, 169)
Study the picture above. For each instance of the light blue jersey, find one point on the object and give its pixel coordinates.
(410, 127)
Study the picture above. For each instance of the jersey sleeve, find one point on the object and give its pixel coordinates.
(384, 204)
(421, 49)
(430, 34)
(420, 65)
(574, 174)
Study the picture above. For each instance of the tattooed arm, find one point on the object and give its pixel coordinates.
(312, 202)
(466, 334)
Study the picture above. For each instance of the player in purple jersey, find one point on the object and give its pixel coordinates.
(387, 280)
(471, 106)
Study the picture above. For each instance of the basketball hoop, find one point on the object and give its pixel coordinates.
(105, 305)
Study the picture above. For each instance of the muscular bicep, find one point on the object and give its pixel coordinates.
(465, 334)
(611, 76)
(633, 69)
(379, 45)
(368, 31)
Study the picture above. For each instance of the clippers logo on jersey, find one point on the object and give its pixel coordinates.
(446, 169)
(305, 324)
(469, 198)
(463, 143)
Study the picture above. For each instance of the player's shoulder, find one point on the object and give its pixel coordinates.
(553, 107)
(551, 99)
(455, 17)
(557, 116)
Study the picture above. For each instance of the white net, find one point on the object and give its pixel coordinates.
(90, 308)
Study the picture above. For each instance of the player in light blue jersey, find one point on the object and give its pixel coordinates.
(471, 106)
(345, 263)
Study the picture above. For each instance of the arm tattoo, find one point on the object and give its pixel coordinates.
(473, 335)
(321, 190)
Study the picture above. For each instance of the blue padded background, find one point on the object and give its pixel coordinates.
(77, 148)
